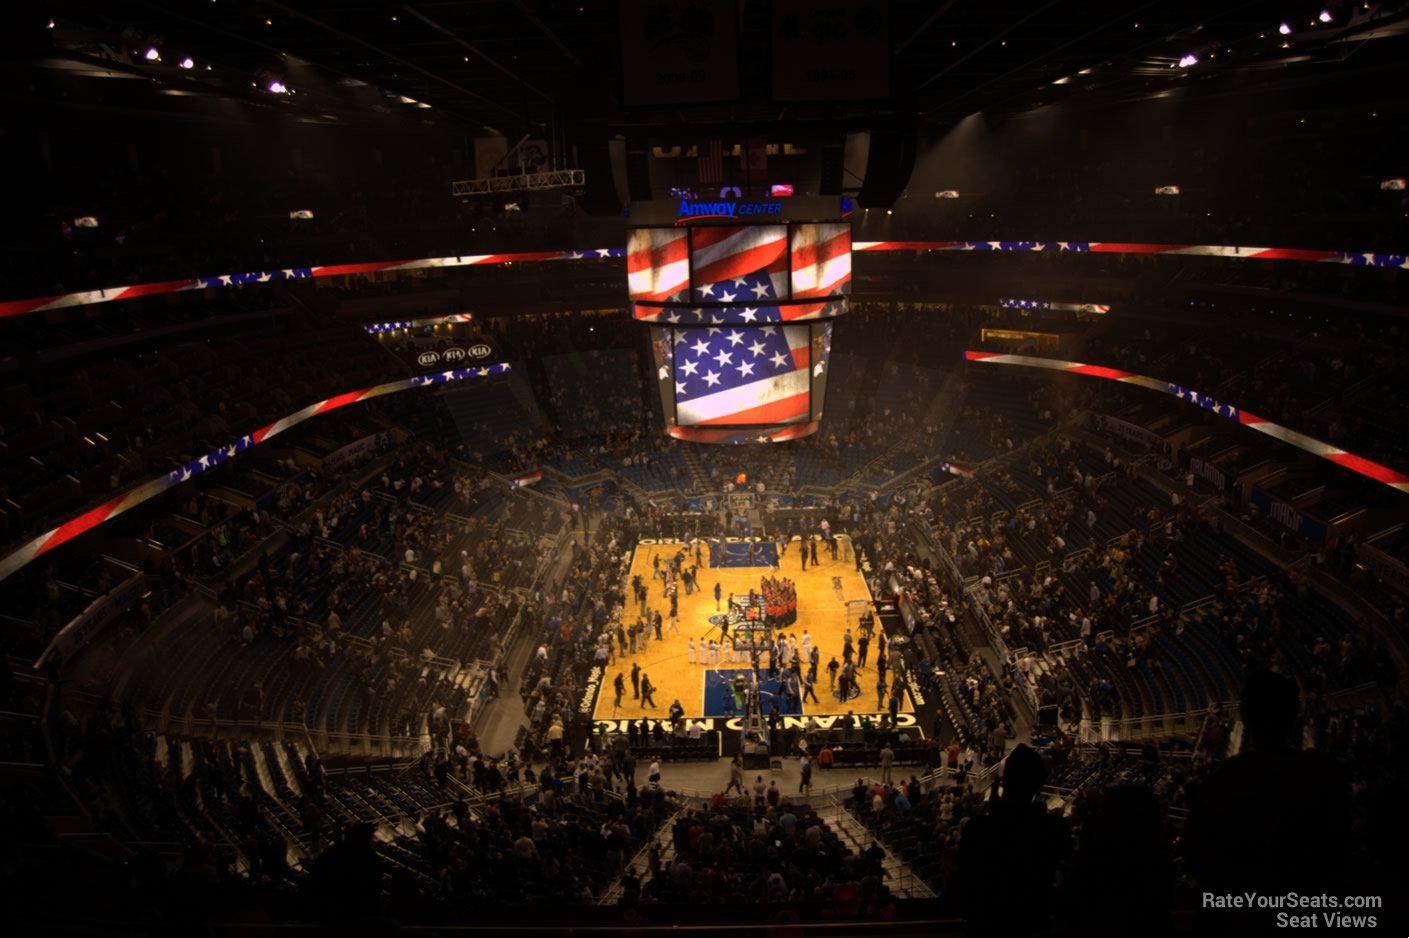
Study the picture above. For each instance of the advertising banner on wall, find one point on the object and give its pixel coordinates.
(1387, 568)
(1207, 469)
(1289, 516)
(88, 623)
(368, 444)
(1133, 433)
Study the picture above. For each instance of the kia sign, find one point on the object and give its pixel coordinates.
(455, 355)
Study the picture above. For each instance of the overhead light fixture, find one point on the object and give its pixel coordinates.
(1325, 16)
(1188, 60)
(152, 55)
(1284, 29)
(188, 62)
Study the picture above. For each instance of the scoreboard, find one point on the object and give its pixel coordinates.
(739, 296)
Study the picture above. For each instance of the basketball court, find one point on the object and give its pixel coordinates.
(831, 597)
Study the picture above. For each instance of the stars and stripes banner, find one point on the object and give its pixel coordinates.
(738, 315)
(527, 479)
(710, 158)
(1231, 252)
(19, 307)
(88, 520)
(726, 377)
(821, 260)
(1098, 308)
(657, 263)
(110, 294)
(753, 435)
(739, 262)
(1334, 454)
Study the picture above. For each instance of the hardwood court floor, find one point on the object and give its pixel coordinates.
(822, 611)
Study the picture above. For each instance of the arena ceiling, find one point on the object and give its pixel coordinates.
(531, 66)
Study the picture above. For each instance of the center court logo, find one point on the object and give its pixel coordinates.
(735, 724)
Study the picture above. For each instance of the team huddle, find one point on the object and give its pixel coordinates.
(780, 601)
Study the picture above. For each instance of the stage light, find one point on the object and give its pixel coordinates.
(1325, 16)
(1284, 29)
(1188, 60)
(889, 212)
(188, 62)
(278, 87)
(152, 55)
(51, 24)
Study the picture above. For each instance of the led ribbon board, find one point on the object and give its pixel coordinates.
(1358, 464)
(1230, 252)
(88, 520)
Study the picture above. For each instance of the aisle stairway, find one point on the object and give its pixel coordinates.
(904, 882)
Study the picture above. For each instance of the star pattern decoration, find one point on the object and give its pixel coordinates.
(711, 359)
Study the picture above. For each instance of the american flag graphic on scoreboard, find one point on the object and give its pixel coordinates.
(740, 273)
(657, 263)
(744, 315)
(821, 260)
(746, 262)
(727, 376)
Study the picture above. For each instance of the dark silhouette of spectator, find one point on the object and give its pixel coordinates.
(346, 878)
(1271, 819)
(1123, 874)
(1008, 860)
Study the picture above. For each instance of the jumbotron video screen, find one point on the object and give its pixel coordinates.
(740, 314)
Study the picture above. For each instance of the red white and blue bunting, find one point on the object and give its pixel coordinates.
(1359, 464)
(1230, 252)
(92, 518)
